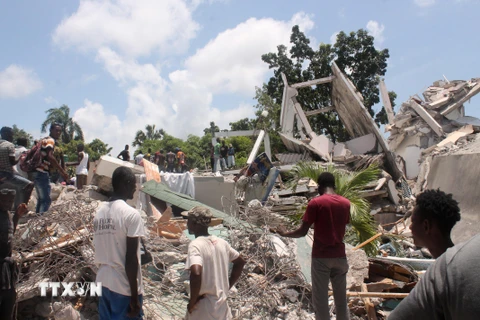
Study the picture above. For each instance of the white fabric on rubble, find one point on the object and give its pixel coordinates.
(180, 182)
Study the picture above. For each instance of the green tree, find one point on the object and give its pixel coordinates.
(213, 128)
(149, 134)
(354, 52)
(71, 130)
(348, 185)
(97, 149)
(243, 124)
(20, 133)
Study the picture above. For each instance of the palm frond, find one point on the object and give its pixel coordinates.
(348, 185)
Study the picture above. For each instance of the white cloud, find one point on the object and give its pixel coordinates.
(376, 30)
(424, 3)
(51, 101)
(333, 37)
(17, 81)
(183, 103)
(237, 66)
(106, 127)
(87, 78)
(133, 27)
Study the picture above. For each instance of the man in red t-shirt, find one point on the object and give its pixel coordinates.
(329, 213)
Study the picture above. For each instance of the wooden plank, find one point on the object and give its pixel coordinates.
(458, 104)
(313, 82)
(368, 241)
(76, 236)
(386, 102)
(385, 284)
(318, 111)
(383, 295)
(427, 118)
(371, 314)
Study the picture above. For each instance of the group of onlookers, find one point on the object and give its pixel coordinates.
(21, 170)
(170, 162)
(222, 157)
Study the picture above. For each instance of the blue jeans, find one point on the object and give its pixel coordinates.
(20, 184)
(115, 306)
(42, 186)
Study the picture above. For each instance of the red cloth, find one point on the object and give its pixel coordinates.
(329, 213)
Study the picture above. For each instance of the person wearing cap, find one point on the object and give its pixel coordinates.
(208, 260)
(8, 267)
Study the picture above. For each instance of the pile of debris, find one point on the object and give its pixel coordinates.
(421, 125)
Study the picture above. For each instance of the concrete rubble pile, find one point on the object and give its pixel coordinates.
(57, 247)
(436, 122)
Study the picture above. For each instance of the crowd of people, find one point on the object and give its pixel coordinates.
(222, 157)
(170, 162)
(448, 290)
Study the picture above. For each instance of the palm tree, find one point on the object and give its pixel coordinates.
(348, 185)
(149, 134)
(70, 129)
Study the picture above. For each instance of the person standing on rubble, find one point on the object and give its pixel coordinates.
(224, 155)
(231, 156)
(139, 158)
(41, 175)
(125, 154)
(329, 213)
(208, 260)
(160, 160)
(181, 167)
(216, 155)
(22, 185)
(8, 266)
(117, 232)
(83, 165)
(433, 218)
(170, 161)
(20, 150)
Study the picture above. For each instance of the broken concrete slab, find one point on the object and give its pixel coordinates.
(355, 117)
(458, 174)
(362, 145)
(454, 136)
(427, 118)
(104, 170)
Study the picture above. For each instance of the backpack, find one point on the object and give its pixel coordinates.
(31, 160)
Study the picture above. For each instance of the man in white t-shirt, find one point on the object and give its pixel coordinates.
(117, 231)
(208, 260)
(82, 164)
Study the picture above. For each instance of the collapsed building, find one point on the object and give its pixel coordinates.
(432, 144)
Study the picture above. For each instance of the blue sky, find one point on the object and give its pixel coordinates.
(180, 64)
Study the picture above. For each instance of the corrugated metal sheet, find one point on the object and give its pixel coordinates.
(162, 192)
(291, 158)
